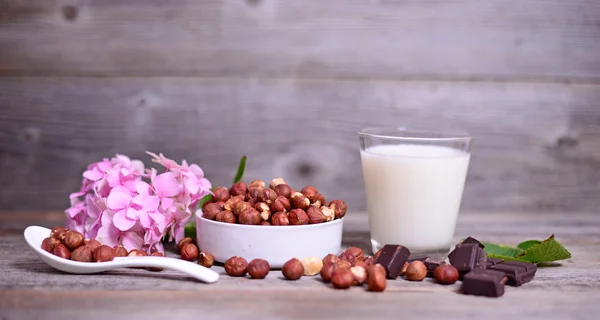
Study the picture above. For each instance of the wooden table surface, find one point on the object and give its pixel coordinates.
(29, 289)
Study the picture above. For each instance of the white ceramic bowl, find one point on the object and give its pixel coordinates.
(276, 244)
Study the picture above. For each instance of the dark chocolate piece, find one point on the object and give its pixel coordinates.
(420, 258)
(392, 258)
(473, 240)
(493, 261)
(517, 272)
(484, 282)
(468, 256)
(431, 264)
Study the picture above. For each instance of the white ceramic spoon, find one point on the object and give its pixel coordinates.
(34, 236)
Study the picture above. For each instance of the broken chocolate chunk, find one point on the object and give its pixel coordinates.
(468, 256)
(517, 272)
(493, 261)
(473, 240)
(432, 263)
(482, 282)
(392, 258)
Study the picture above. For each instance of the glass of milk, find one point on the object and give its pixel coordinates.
(414, 182)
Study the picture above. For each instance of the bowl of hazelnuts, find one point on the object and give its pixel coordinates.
(274, 222)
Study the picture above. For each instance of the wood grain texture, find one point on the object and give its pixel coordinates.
(536, 145)
(570, 289)
(554, 40)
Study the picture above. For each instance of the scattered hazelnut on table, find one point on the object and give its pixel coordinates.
(298, 217)
(299, 201)
(376, 278)
(73, 240)
(236, 266)
(210, 211)
(220, 194)
(229, 204)
(258, 268)
(328, 213)
(280, 219)
(156, 254)
(103, 253)
(120, 251)
(61, 251)
(342, 278)
(59, 233)
(445, 274)
(256, 184)
(358, 254)
(206, 259)
(416, 271)
(315, 215)
(339, 207)
(275, 182)
(293, 269)
(183, 242)
(343, 264)
(250, 216)
(137, 253)
(327, 271)
(82, 254)
(263, 210)
(281, 204)
(240, 207)
(360, 274)
(330, 258)
(49, 244)
(369, 261)
(238, 189)
(404, 268)
(312, 265)
(361, 263)
(189, 252)
(226, 216)
(283, 190)
(349, 257)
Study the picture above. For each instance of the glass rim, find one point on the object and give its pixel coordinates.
(418, 134)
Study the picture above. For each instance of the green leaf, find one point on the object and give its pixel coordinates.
(205, 199)
(528, 244)
(545, 251)
(240, 171)
(501, 250)
(190, 230)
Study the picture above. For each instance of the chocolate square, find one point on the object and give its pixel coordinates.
(392, 258)
(473, 240)
(468, 256)
(431, 264)
(484, 282)
(493, 261)
(518, 273)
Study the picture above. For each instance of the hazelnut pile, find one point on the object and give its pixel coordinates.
(278, 204)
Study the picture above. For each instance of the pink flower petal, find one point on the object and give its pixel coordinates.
(151, 203)
(166, 185)
(197, 170)
(118, 200)
(132, 240)
(108, 235)
(121, 221)
(143, 188)
(191, 184)
(93, 175)
(76, 195)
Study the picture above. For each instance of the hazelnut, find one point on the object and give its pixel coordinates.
(156, 254)
(342, 278)
(49, 244)
(120, 251)
(226, 216)
(315, 215)
(220, 204)
(293, 269)
(231, 202)
(358, 254)
(253, 193)
(361, 263)
(343, 264)
(280, 219)
(189, 252)
(376, 256)
(312, 265)
(210, 211)
(416, 271)
(258, 268)
(93, 243)
(257, 184)
(73, 240)
(267, 195)
(59, 233)
(310, 192)
(103, 253)
(206, 259)
(320, 200)
(299, 201)
(327, 271)
(283, 190)
(298, 217)
(281, 204)
(250, 216)
(376, 278)
(240, 207)
(238, 189)
(404, 268)
(183, 242)
(445, 274)
(82, 254)
(360, 274)
(252, 202)
(346, 256)
(328, 213)
(339, 207)
(265, 223)
(236, 266)
(369, 261)
(275, 182)
(263, 210)
(220, 194)
(61, 251)
(331, 258)
(137, 253)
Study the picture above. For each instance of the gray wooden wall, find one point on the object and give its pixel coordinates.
(289, 83)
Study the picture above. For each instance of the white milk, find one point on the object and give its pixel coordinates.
(414, 194)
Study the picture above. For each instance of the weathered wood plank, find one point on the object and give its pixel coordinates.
(536, 145)
(464, 39)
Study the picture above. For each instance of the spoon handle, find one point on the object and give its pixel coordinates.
(190, 268)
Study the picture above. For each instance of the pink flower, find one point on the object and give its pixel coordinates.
(110, 235)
